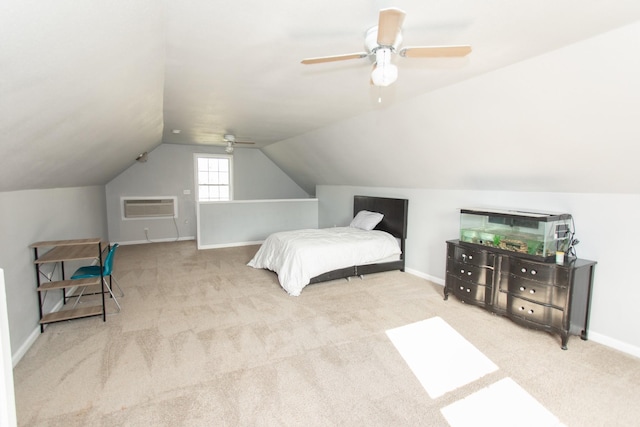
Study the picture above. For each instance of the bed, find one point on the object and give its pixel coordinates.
(302, 257)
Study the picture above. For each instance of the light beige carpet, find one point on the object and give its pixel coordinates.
(456, 363)
(204, 340)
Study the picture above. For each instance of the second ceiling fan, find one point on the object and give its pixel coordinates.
(383, 40)
(231, 140)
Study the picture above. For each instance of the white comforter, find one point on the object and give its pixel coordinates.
(299, 255)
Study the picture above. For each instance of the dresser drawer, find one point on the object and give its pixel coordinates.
(536, 313)
(471, 273)
(463, 254)
(544, 273)
(536, 291)
(468, 291)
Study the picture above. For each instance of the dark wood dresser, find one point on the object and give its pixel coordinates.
(542, 295)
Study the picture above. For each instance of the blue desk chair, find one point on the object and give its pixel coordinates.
(91, 271)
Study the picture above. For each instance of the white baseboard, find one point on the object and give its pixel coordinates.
(614, 343)
(436, 280)
(33, 336)
(22, 350)
(169, 239)
(230, 245)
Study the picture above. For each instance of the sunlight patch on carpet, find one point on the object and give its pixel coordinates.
(439, 357)
(503, 403)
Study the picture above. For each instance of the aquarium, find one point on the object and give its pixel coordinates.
(536, 235)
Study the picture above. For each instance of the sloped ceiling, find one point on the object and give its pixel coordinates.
(81, 90)
(86, 86)
(565, 122)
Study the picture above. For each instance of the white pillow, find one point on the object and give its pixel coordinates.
(366, 220)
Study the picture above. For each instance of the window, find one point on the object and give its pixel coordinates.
(213, 177)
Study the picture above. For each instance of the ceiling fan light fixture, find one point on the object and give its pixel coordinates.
(229, 147)
(385, 72)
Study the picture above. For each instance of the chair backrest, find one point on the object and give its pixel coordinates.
(108, 262)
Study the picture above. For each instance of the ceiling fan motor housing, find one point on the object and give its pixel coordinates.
(371, 41)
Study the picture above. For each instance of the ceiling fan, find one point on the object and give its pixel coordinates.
(383, 40)
(231, 140)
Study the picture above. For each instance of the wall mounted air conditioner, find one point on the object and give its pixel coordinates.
(149, 207)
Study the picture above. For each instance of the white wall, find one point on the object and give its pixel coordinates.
(35, 215)
(169, 171)
(82, 89)
(244, 222)
(604, 226)
(7, 398)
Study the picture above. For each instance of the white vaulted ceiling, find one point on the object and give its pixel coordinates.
(87, 86)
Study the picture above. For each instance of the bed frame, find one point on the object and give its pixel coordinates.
(394, 222)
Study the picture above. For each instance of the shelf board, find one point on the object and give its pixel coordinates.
(76, 313)
(69, 253)
(48, 286)
(91, 241)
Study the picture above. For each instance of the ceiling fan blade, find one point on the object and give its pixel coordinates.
(334, 58)
(390, 26)
(435, 51)
(231, 139)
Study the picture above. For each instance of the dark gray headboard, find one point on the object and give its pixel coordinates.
(395, 213)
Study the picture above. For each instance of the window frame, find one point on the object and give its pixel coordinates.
(196, 157)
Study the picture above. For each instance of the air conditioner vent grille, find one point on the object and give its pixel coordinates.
(149, 208)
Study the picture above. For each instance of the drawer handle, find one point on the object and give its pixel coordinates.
(468, 273)
(521, 308)
(468, 290)
(530, 312)
(522, 288)
(461, 287)
(462, 271)
(470, 256)
(524, 270)
(533, 272)
(532, 291)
